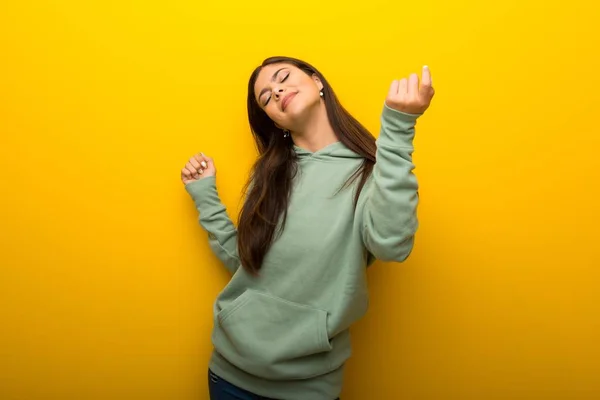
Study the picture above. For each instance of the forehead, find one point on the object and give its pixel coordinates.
(266, 73)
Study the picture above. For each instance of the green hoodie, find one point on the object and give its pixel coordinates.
(285, 334)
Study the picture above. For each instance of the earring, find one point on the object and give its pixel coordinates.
(286, 133)
(321, 93)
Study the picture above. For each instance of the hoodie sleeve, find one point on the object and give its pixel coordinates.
(222, 233)
(389, 215)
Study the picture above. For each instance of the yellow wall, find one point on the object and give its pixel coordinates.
(107, 282)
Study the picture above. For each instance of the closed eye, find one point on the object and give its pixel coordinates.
(282, 80)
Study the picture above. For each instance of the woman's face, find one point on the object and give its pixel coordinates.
(287, 94)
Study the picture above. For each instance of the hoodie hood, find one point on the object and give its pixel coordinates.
(333, 151)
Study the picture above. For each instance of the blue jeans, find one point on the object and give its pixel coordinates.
(220, 389)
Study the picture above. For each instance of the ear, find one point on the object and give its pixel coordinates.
(317, 81)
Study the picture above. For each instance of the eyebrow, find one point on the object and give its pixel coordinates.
(272, 80)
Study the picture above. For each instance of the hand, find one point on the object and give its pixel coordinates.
(406, 96)
(199, 166)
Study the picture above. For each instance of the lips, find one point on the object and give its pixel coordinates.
(286, 100)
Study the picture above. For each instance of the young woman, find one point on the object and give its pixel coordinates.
(324, 200)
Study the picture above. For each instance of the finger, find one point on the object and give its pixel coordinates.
(208, 159)
(185, 178)
(394, 88)
(185, 173)
(201, 162)
(403, 86)
(413, 85)
(195, 163)
(192, 170)
(196, 174)
(205, 160)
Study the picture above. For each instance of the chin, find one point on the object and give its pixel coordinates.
(300, 108)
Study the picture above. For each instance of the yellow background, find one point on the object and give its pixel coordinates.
(107, 281)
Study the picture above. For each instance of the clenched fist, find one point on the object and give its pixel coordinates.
(406, 96)
(199, 166)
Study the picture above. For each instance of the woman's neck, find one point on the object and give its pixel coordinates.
(316, 132)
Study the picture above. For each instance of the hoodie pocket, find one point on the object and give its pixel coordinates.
(273, 338)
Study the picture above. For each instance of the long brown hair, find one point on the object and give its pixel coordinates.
(269, 187)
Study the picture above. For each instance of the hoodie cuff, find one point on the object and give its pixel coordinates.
(397, 127)
(202, 190)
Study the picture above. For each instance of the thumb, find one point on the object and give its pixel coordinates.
(208, 160)
(426, 76)
(426, 90)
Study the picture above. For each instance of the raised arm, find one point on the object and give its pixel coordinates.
(389, 211)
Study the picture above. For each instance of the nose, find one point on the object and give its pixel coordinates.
(278, 91)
